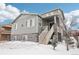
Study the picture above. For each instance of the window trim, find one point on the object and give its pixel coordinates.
(30, 22)
(15, 26)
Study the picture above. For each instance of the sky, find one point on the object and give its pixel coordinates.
(44, 7)
(9, 11)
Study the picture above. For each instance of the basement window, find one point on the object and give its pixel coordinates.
(15, 38)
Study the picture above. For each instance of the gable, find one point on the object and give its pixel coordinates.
(17, 18)
(29, 15)
(45, 15)
(53, 13)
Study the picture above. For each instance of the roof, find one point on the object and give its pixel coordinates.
(58, 9)
(26, 14)
(38, 14)
(6, 26)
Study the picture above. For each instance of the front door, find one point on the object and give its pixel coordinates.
(50, 25)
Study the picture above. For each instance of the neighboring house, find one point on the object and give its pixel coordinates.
(38, 28)
(5, 33)
(75, 34)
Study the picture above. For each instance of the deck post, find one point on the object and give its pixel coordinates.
(55, 27)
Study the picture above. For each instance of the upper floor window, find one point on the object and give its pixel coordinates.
(33, 22)
(30, 23)
(26, 23)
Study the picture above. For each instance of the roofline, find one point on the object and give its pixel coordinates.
(16, 18)
(50, 11)
(39, 15)
(62, 14)
(25, 14)
(7, 26)
(53, 11)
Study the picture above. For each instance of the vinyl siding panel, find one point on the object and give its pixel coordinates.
(21, 25)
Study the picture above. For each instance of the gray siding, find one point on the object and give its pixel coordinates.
(40, 24)
(24, 29)
(22, 37)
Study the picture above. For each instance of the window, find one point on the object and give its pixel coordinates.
(26, 23)
(22, 25)
(15, 26)
(33, 22)
(30, 23)
(57, 20)
(26, 37)
(15, 38)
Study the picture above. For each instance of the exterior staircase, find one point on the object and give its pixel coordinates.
(45, 36)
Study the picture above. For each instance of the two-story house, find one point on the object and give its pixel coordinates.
(38, 28)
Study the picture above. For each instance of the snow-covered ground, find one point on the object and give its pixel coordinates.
(18, 47)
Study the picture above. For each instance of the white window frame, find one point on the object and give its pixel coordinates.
(33, 22)
(28, 23)
(15, 26)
